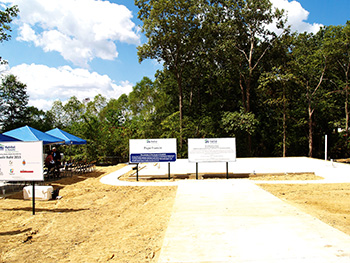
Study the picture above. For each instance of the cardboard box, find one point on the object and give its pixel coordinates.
(42, 192)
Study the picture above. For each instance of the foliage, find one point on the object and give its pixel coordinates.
(237, 122)
(13, 103)
(6, 17)
(173, 32)
(226, 73)
(309, 65)
(336, 46)
(39, 119)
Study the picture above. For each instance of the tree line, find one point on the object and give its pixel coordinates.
(225, 73)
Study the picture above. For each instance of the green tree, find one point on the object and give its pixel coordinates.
(6, 16)
(13, 103)
(309, 67)
(337, 47)
(146, 106)
(142, 98)
(276, 91)
(73, 110)
(39, 119)
(173, 32)
(241, 50)
(113, 117)
(58, 115)
(246, 39)
(114, 113)
(238, 123)
(95, 106)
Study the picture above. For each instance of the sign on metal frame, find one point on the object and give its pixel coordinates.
(212, 150)
(21, 161)
(152, 150)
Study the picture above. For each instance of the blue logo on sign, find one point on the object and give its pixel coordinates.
(152, 157)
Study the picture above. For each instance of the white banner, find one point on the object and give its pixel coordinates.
(152, 150)
(212, 150)
(21, 161)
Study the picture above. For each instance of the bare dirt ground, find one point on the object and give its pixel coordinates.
(327, 202)
(286, 177)
(91, 223)
(101, 223)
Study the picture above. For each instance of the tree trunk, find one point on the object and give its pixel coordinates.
(346, 69)
(310, 111)
(346, 111)
(248, 109)
(245, 92)
(346, 105)
(242, 92)
(179, 84)
(284, 123)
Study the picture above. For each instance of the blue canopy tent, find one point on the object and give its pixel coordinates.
(4, 138)
(29, 134)
(67, 137)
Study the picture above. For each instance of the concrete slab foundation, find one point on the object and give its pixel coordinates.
(217, 221)
(236, 221)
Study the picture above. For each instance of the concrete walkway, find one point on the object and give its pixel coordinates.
(331, 172)
(236, 221)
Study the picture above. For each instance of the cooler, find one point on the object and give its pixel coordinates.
(42, 192)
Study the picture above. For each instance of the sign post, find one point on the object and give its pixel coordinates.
(325, 147)
(169, 171)
(152, 151)
(137, 172)
(33, 197)
(226, 170)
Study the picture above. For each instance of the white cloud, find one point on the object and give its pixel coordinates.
(297, 16)
(45, 84)
(80, 30)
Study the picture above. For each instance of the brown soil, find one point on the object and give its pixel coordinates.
(286, 177)
(93, 222)
(327, 202)
(101, 223)
(131, 176)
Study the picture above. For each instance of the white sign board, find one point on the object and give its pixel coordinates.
(152, 150)
(212, 150)
(21, 161)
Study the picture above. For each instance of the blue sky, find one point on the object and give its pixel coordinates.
(327, 12)
(64, 48)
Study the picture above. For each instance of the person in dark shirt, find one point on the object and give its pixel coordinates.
(57, 158)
